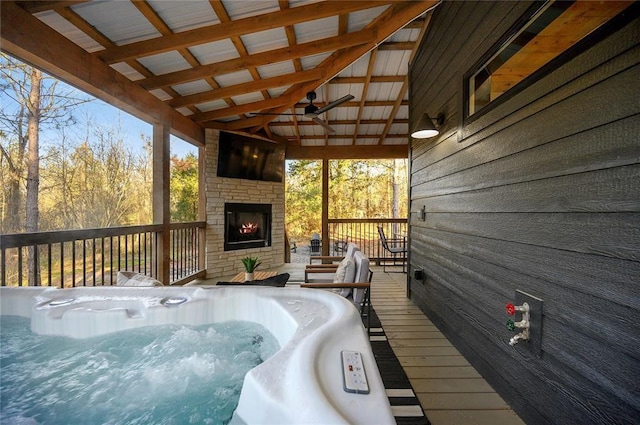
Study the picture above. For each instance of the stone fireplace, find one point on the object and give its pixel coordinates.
(222, 191)
(246, 226)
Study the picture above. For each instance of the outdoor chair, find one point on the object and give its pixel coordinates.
(354, 284)
(315, 243)
(396, 247)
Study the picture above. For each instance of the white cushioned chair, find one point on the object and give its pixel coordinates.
(355, 285)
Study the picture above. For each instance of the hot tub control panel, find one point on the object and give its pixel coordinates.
(355, 379)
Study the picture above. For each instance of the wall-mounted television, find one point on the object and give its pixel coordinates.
(243, 157)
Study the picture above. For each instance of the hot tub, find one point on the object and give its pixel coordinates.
(301, 383)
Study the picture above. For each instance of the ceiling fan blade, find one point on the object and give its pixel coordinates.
(326, 126)
(335, 103)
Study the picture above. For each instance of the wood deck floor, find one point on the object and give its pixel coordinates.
(450, 390)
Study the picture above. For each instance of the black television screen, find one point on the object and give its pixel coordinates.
(243, 157)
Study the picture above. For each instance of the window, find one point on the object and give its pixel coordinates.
(541, 36)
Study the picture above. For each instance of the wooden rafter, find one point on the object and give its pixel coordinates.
(233, 28)
(367, 79)
(260, 59)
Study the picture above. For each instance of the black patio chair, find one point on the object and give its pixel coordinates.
(396, 247)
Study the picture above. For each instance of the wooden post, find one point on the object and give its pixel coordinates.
(325, 207)
(202, 208)
(161, 190)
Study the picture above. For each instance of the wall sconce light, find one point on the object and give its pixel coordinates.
(427, 127)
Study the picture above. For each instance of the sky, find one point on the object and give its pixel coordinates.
(100, 114)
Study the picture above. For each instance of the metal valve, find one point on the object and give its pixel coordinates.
(522, 324)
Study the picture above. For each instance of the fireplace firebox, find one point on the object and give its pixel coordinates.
(246, 226)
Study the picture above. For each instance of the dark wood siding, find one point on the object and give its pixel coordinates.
(539, 194)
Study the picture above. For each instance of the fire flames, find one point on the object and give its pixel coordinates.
(248, 228)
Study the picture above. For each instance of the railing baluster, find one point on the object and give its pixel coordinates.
(61, 265)
(20, 266)
(73, 264)
(49, 264)
(102, 260)
(93, 268)
(3, 262)
(84, 262)
(139, 252)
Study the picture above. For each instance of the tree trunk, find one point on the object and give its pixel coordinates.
(33, 172)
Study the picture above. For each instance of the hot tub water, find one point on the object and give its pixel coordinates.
(161, 375)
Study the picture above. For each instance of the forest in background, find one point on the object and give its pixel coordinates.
(357, 189)
(85, 175)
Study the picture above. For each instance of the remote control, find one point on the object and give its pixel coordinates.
(355, 379)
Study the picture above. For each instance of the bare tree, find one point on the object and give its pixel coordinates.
(33, 100)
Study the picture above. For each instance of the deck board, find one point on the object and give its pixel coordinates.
(450, 390)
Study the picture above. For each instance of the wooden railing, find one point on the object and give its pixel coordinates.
(364, 232)
(92, 257)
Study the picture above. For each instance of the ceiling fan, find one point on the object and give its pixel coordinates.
(312, 111)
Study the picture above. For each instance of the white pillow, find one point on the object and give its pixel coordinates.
(345, 273)
(136, 279)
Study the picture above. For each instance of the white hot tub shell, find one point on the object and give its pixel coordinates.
(300, 384)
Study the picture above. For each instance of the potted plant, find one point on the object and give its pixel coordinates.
(250, 265)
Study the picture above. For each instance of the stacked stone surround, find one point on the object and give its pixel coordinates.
(220, 190)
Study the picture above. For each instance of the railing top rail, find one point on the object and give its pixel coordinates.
(188, 225)
(15, 240)
(367, 220)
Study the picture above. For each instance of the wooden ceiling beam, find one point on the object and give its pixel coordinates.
(374, 79)
(259, 59)
(29, 39)
(36, 6)
(397, 45)
(349, 136)
(239, 110)
(238, 27)
(372, 62)
(346, 152)
(337, 122)
(252, 86)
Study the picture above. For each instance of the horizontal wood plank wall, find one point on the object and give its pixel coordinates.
(540, 194)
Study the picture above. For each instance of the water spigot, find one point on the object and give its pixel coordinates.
(522, 324)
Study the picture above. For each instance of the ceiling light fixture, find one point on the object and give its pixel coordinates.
(427, 127)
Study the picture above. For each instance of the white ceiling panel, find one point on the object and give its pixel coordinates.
(263, 41)
(234, 78)
(70, 31)
(360, 19)
(160, 94)
(184, 15)
(392, 62)
(127, 71)
(316, 30)
(192, 87)
(216, 51)
(212, 106)
(165, 63)
(120, 21)
(244, 9)
(310, 62)
(247, 98)
(276, 69)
